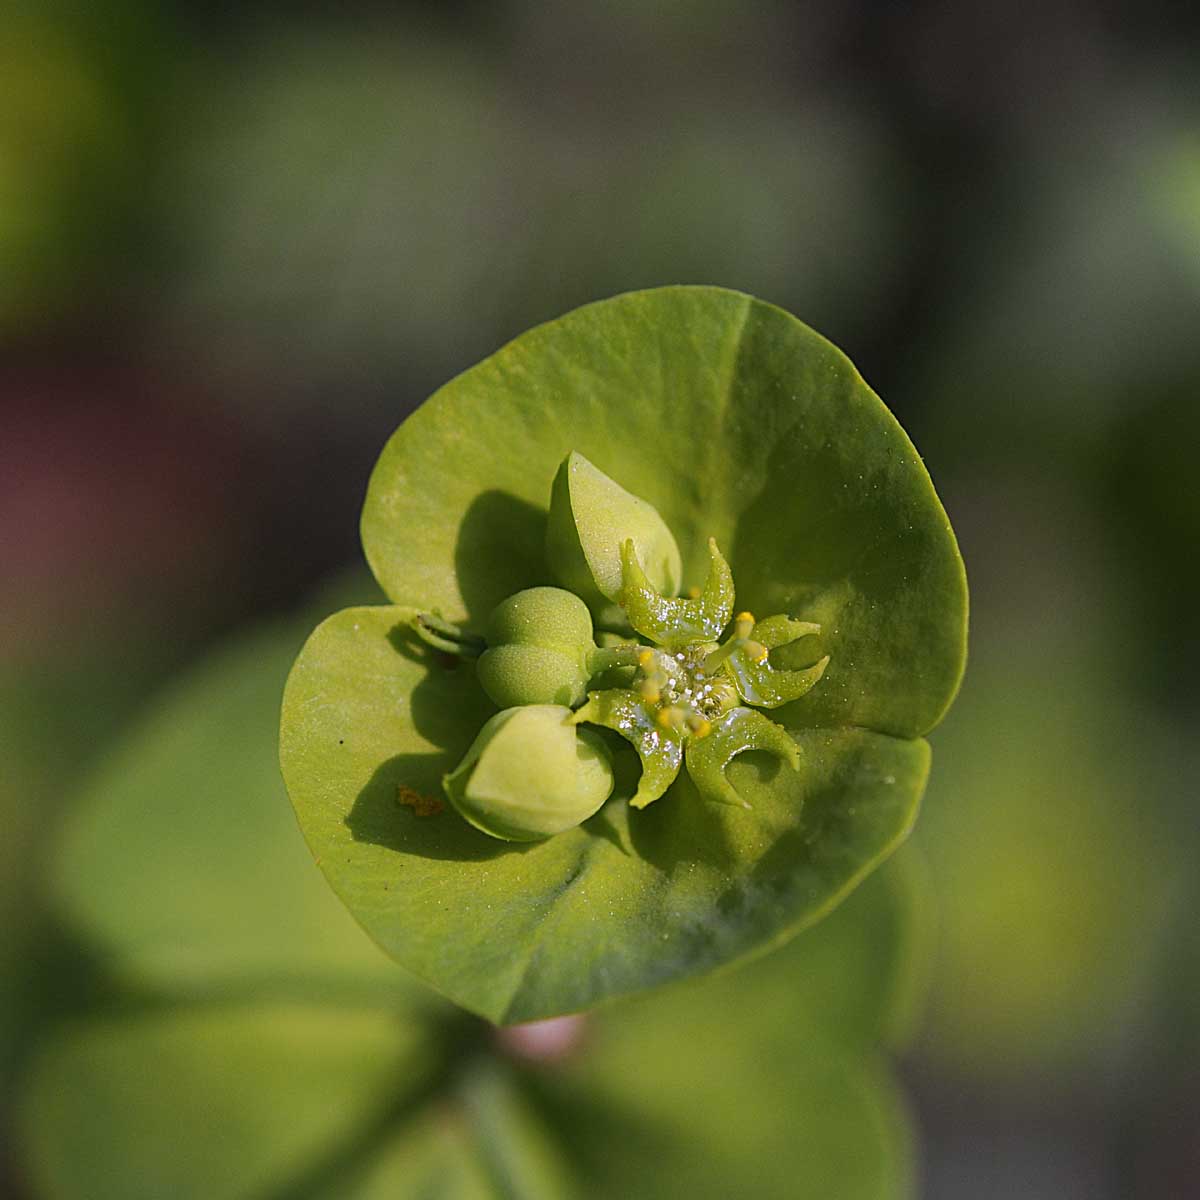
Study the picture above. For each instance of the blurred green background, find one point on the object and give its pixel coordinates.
(238, 243)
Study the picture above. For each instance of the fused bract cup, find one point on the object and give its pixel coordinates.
(737, 423)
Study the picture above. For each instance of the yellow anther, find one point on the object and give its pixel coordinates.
(700, 726)
(650, 691)
(645, 659)
(743, 625)
(693, 593)
(670, 718)
(757, 651)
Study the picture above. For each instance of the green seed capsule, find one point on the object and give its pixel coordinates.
(539, 643)
(590, 516)
(531, 773)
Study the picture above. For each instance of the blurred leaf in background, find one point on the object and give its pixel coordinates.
(773, 197)
(114, 521)
(1058, 381)
(346, 210)
(352, 212)
(1050, 870)
(1080, 306)
(78, 131)
(1053, 831)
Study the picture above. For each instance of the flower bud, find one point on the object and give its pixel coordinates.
(530, 773)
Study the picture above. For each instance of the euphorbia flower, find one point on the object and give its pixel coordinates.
(684, 436)
(679, 704)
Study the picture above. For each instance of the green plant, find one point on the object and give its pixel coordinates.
(244, 1039)
(723, 422)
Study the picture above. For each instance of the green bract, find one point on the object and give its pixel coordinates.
(688, 422)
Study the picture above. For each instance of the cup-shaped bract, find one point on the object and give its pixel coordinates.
(590, 516)
(531, 773)
(732, 421)
(539, 644)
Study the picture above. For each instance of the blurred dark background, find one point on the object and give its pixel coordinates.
(240, 242)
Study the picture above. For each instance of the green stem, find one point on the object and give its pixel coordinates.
(605, 658)
(446, 636)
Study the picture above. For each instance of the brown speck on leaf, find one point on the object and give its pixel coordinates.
(422, 805)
